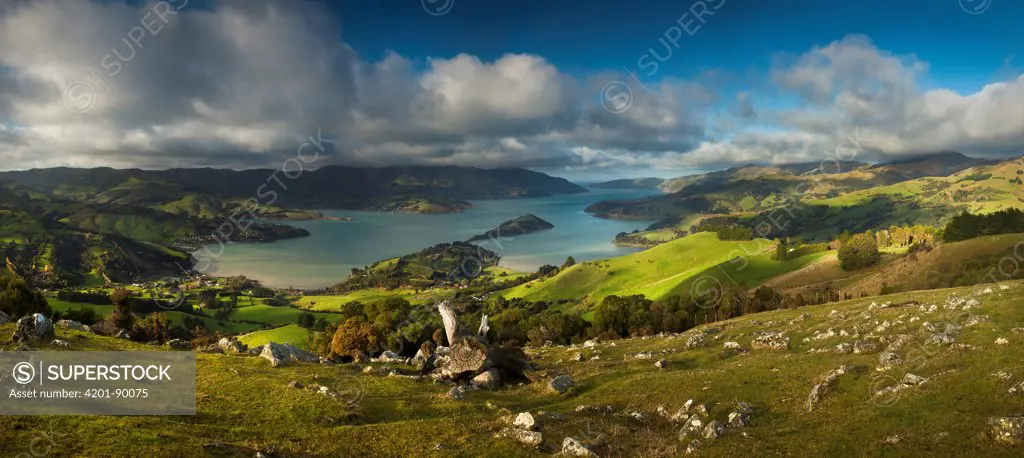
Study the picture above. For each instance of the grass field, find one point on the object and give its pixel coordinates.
(334, 302)
(245, 407)
(292, 333)
(662, 270)
(274, 316)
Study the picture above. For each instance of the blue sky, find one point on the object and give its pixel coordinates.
(964, 51)
(565, 87)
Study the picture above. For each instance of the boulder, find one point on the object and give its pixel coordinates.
(178, 344)
(231, 346)
(696, 341)
(33, 328)
(456, 393)
(285, 354)
(60, 343)
(573, 447)
(4, 319)
(661, 364)
(122, 334)
(561, 384)
(1002, 341)
(771, 340)
(67, 324)
(864, 346)
(731, 346)
(819, 390)
(1007, 430)
(713, 430)
(525, 421)
(523, 436)
(487, 380)
(693, 447)
(390, 357)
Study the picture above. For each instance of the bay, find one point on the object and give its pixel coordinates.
(335, 247)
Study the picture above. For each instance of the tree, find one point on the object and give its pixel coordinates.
(122, 317)
(859, 252)
(354, 338)
(547, 270)
(155, 326)
(569, 262)
(306, 320)
(17, 299)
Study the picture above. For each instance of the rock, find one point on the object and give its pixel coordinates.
(739, 419)
(33, 328)
(456, 393)
(975, 320)
(122, 334)
(888, 360)
(819, 390)
(844, 348)
(526, 437)
(693, 447)
(64, 324)
(639, 415)
(731, 346)
(1002, 341)
(1018, 388)
(488, 380)
(913, 380)
(4, 319)
(60, 343)
(661, 364)
(1003, 375)
(864, 346)
(178, 344)
(644, 355)
(573, 447)
(940, 339)
(713, 430)
(231, 346)
(390, 357)
(525, 421)
(295, 384)
(693, 427)
(590, 343)
(1007, 430)
(286, 354)
(696, 341)
(771, 340)
(561, 384)
(577, 357)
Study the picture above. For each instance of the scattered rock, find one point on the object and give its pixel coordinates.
(713, 430)
(295, 384)
(285, 354)
(696, 341)
(771, 340)
(456, 393)
(572, 447)
(731, 346)
(33, 328)
(577, 357)
(1003, 375)
(661, 364)
(819, 390)
(864, 346)
(693, 447)
(63, 324)
(525, 421)
(1007, 430)
(530, 438)
(231, 346)
(488, 380)
(60, 343)
(975, 320)
(1018, 388)
(844, 348)
(893, 440)
(1017, 330)
(1002, 341)
(561, 384)
(178, 344)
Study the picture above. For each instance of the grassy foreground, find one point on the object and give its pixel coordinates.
(246, 407)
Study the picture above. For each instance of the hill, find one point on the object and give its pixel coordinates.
(630, 183)
(526, 224)
(208, 191)
(821, 204)
(664, 270)
(892, 397)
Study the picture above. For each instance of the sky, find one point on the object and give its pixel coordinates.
(588, 90)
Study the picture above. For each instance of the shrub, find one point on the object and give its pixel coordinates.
(354, 338)
(17, 299)
(859, 252)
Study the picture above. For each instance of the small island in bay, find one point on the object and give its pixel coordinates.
(526, 224)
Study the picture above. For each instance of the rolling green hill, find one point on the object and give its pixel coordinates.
(661, 271)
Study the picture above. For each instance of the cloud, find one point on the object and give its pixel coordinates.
(242, 83)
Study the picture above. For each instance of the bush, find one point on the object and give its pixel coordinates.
(18, 300)
(122, 317)
(354, 338)
(859, 252)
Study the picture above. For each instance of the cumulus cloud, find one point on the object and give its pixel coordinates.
(242, 83)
